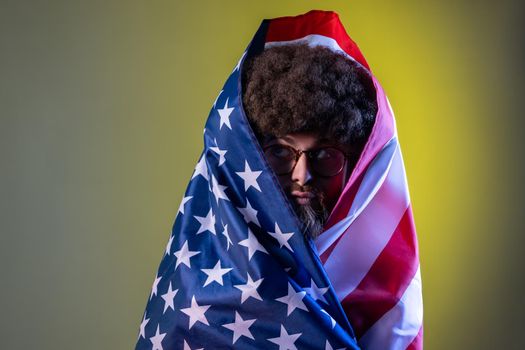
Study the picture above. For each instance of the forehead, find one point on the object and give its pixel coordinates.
(302, 140)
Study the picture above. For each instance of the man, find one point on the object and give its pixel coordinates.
(309, 99)
(295, 231)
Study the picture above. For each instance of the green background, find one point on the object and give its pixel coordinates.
(102, 105)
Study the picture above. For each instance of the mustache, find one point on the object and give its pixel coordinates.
(319, 196)
(303, 188)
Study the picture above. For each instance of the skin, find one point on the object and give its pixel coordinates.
(301, 185)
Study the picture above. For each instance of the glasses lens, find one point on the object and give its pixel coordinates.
(327, 161)
(281, 158)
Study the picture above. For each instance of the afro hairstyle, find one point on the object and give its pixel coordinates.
(298, 88)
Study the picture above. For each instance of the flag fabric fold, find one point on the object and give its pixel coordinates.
(238, 273)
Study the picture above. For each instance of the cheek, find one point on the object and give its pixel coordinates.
(332, 188)
(284, 180)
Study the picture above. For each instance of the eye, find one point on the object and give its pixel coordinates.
(324, 154)
(328, 155)
(280, 152)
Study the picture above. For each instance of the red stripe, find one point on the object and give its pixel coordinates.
(325, 23)
(417, 343)
(387, 280)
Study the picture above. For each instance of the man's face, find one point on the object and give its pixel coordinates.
(311, 185)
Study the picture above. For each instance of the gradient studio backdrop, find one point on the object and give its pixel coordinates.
(102, 105)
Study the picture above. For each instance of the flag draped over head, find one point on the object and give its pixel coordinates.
(238, 273)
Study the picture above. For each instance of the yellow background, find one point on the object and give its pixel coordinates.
(102, 105)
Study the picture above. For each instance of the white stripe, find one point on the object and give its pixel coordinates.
(373, 179)
(370, 232)
(399, 326)
(315, 40)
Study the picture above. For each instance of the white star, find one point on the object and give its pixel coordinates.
(215, 274)
(220, 152)
(217, 98)
(240, 327)
(168, 246)
(201, 169)
(168, 298)
(315, 292)
(183, 255)
(156, 340)
(143, 324)
(218, 190)
(281, 237)
(285, 341)
(329, 347)
(331, 318)
(196, 312)
(181, 206)
(238, 66)
(293, 300)
(224, 113)
(154, 287)
(252, 244)
(249, 289)
(249, 214)
(207, 222)
(249, 177)
(227, 235)
(187, 347)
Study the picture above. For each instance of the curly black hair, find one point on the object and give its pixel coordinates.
(298, 88)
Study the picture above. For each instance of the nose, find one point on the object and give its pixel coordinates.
(301, 173)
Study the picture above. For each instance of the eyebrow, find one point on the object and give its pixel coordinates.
(321, 142)
(285, 138)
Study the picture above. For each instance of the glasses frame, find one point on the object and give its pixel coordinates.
(308, 153)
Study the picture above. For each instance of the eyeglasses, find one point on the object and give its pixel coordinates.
(325, 161)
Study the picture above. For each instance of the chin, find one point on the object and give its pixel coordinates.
(311, 215)
(303, 201)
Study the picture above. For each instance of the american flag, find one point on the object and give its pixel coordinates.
(238, 273)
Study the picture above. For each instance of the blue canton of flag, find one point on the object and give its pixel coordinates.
(237, 271)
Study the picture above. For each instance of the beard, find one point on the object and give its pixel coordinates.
(312, 215)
